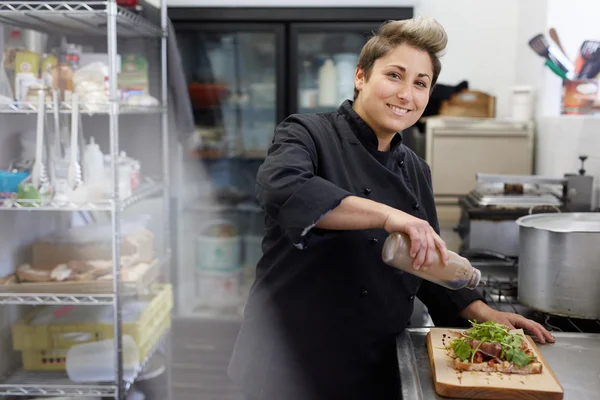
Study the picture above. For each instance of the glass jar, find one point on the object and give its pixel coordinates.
(458, 274)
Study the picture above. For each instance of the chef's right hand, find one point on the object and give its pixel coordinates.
(423, 238)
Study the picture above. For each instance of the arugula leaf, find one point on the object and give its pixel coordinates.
(518, 357)
(461, 349)
(495, 333)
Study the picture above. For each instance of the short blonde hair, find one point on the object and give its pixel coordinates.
(422, 33)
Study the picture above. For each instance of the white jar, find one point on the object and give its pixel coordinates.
(218, 253)
(522, 103)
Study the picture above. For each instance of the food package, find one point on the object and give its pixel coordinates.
(92, 243)
(133, 79)
(27, 68)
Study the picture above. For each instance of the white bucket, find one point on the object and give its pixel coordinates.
(218, 289)
(215, 253)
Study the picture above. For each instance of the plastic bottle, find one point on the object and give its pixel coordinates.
(95, 361)
(14, 44)
(93, 164)
(458, 274)
(327, 84)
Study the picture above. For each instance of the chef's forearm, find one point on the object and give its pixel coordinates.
(477, 311)
(355, 213)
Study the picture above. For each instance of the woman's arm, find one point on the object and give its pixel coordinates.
(357, 213)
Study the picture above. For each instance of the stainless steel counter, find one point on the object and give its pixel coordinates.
(574, 358)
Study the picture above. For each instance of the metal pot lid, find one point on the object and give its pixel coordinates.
(563, 222)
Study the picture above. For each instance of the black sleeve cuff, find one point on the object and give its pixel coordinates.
(305, 207)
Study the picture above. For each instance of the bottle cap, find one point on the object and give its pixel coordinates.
(475, 279)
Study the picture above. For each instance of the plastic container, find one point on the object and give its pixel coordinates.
(328, 84)
(218, 247)
(9, 182)
(93, 170)
(55, 360)
(345, 69)
(522, 103)
(61, 327)
(218, 290)
(95, 361)
(458, 274)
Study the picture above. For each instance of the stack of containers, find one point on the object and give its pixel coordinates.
(218, 265)
(45, 335)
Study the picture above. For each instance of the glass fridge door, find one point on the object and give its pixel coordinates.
(233, 73)
(324, 58)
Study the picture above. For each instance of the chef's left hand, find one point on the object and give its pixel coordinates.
(516, 321)
(481, 312)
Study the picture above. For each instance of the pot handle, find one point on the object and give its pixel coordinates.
(548, 205)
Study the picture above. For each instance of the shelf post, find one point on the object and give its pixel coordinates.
(113, 111)
(166, 166)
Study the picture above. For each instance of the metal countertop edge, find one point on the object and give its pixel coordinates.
(409, 372)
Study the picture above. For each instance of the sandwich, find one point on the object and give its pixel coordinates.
(492, 347)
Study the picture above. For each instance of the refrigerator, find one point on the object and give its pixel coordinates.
(247, 69)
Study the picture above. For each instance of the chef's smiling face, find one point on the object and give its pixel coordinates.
(396, 92)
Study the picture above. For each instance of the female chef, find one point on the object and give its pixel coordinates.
(324, 311)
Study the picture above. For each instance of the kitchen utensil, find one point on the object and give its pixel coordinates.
(587, 50)
(558, 263)
(74, 174)
(541, 46)
(554, 36)
(38, 173)
(591, 68)
(559, 72)
(57, 144)
(481, 385)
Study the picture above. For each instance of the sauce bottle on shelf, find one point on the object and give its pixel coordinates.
(458, 274)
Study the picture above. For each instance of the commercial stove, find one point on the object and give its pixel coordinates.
(489, 211)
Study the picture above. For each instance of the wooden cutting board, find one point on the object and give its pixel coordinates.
(483, 385)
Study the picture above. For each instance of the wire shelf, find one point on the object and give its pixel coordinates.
(23, 107)
(26, 383)
(93, 295)
(74, 18)
(66, 299)
(146, 190)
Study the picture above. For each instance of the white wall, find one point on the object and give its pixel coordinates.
(481, 44)
(529, 67)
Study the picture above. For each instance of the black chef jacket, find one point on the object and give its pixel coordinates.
(324, 310)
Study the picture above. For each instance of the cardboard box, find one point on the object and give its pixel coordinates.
(48, 255)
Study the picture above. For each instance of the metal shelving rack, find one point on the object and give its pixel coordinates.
(92, 18)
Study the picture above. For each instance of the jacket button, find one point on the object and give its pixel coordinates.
(374, 241)
(411, 298)
(367, 191)
(416, 206)
(402, 163)
(364, 292)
